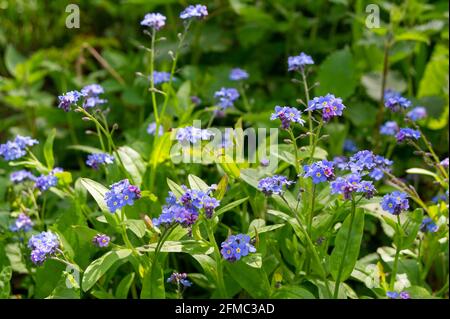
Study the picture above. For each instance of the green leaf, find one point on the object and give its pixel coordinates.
(65, 288)
(189, 246)
(197, 183)
(137, 226)
(337, 74)
(253, 260)
(435, 78)
(97, 191)
(285, 153)
(5, 277)
(48, 149)
(411, 228)
(264, 229)
(12, 59)
(153, 283)
(253, 280)
(161, 152)
(175, 188)
(412, 36)
(124, 286)
(208, 265)
(101, 265)
(292, 221)
(347, 244)
(133, 163)
(230, 206)
(421, 171)
(221, 187)
(372, 83)
(417, 292)
(292, 292)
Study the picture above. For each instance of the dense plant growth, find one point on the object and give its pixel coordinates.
(228, 149)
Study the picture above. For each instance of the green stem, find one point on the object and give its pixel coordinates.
(244, 97)
(305, 86)
(315, 139)
(311, 214)
(152, 79)
(107, 134)
(125, 235)
(100, 138)
(211, 119)
(435, 157)
(294, 145)
(341, 265)
(311, 247)
(218, 257)
(397, 255)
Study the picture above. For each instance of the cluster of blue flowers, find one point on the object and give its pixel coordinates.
(273, 185)
(43, 245)
(330, 106)
(160, 77)
(321, 171)
(417, 113)
(395, 101)
(236, 246)
(44, 182)
(396, 295)
(361, 161)
(351, 184)
(16, 148)
(186, 209)
(90, 94)
(366, 161)
(389, 128)
(68, 99)
(395, 202)
(298, 62)
(179, 279)
(121, 194)
(151, 129)
(287, 115)
(194, 11)
(191, 134)
(97, 159)
(238, 74)
(21, 176)
(340, 162)
(407, 134)
(428, 225)
(101, 240)
(154, 20)
(22, 223)
(226, 97)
